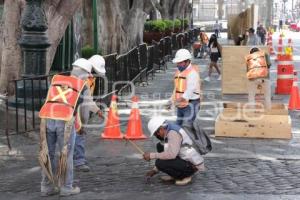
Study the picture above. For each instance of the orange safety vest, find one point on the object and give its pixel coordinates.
(204, 38)
(256, 65)
(91, 84)
(62, 98)
(180, 83)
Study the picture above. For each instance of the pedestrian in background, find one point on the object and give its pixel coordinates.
(215, 54)
(204, 43)
(217, 28)
(261, 32)
(253, 39)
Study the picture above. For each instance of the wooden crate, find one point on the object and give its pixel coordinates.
(237, 121)
(234, 80)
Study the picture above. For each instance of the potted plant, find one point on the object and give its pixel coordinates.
(154, 30)
(169, 27)
(177, 25)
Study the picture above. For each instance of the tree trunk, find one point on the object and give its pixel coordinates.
(121, 24)
(59, 14)
(87, 38)
(172, 9)
(11, 61)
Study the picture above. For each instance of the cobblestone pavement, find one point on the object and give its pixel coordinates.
(236, 168)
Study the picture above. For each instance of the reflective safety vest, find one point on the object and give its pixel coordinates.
(180, 84)
(91, 84)
(62, 98)
(204, 38)
(256, 65)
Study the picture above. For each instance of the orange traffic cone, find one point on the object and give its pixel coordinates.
(112, 126)
(294, 103)
(134, 128)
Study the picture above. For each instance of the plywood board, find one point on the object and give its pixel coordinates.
(235, 121)
(234, 80)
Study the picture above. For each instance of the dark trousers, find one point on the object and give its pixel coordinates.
(176, 168)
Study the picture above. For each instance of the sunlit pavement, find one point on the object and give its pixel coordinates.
(236, 168)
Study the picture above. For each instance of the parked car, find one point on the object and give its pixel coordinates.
(295, 26)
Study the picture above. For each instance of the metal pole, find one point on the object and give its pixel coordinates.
(95, 25)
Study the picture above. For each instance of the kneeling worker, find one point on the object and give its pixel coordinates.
(258, 65)
(176, 156)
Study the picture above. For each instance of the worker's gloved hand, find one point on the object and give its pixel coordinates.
(169, 105)
(146, 156)
(151, 173)
(100, 114)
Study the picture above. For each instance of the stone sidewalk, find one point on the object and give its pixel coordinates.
(236, 168)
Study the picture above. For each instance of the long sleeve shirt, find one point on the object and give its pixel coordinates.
(174, 144)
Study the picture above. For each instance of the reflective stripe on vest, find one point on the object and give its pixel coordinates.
(285, 62)
(62, 98)
(91, 84)
(256, 65)
(180, 83)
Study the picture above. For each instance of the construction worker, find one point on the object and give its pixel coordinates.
(204, 43)
(258, 65)
(65, 95)
(186, 94)
(175, 154)
(80, 162)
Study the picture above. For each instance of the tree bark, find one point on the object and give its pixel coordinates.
(121, 24)
(59, 14)
(11, 61)
(87, 38)
(172, 9)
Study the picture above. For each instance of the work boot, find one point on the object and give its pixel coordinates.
(49, 191)
(68, 192)
(83, 168)
(184, 181)
(167, 178)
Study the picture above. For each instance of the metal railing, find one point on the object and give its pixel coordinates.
(122, 71)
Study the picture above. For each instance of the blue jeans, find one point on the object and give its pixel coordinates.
(188, 114)
(203, 50)
(55, 136)
(79, 150)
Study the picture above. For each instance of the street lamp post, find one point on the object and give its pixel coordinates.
(34, 40)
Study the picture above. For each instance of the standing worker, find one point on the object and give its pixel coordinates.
(176, 156)
(258, 65)
(80, 162)
(65, 95)
(186, 94)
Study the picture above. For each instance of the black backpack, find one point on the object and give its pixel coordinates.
(201, 142)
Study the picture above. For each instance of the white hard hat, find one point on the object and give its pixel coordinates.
(182, 55)
(83, 64)
(98, 63)
(155, 123)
